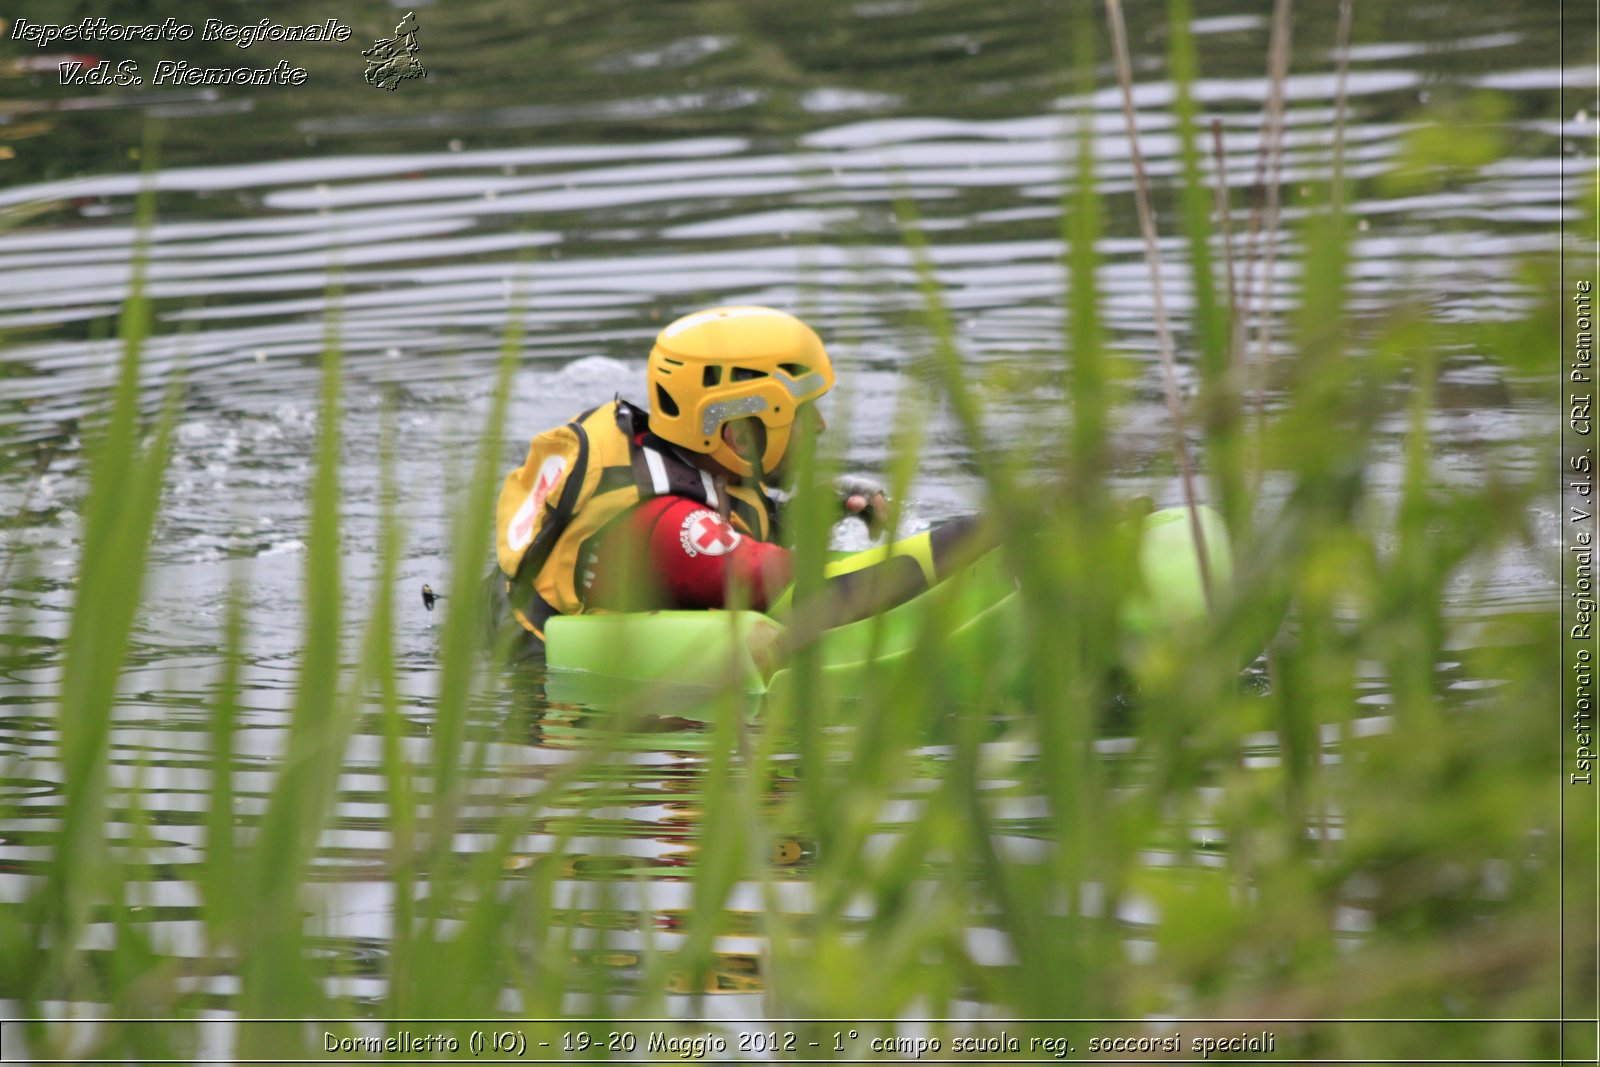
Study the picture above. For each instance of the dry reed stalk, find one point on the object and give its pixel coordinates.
(1278, 68)
(1341, 101)
(1253, 231)
(1164, 342)
(1225, 218)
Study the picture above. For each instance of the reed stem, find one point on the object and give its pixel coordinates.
(1341, 101)
(1225, 219)
(1278, 67)
(1164, 342)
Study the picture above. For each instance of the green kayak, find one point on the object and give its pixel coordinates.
(978, 609)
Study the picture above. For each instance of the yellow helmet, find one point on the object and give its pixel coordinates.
(729, 363)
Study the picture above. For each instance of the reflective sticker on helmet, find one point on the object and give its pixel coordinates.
(806, 386)
(726, 410)
(520, 533)
(707, 533)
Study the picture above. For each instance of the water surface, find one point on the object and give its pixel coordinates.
(605, 169)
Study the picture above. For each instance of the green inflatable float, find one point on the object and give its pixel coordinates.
(596, 658)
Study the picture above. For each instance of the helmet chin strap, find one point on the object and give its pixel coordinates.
(757, 475)
(750, 447)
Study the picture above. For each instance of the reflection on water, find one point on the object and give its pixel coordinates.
(608, 174)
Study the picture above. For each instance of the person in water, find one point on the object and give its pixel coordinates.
(625, 510)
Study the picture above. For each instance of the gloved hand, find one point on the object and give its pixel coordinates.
(864, 498)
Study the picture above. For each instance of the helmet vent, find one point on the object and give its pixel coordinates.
(794, 370)
(664, 401)
(745, 374)
(711, 376)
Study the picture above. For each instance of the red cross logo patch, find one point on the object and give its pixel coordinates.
(520, 532)
(707, 533)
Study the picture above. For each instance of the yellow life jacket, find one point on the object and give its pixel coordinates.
(577, 479)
